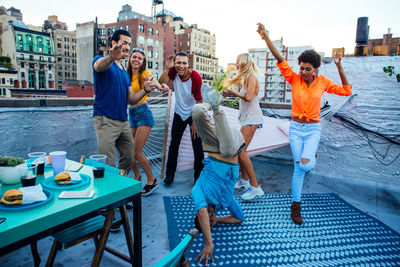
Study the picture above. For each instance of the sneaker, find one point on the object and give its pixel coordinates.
(210, 95)
(242, 183)
(252, 192)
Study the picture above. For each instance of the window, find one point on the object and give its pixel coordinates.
(156, 67)
(21, 56)
(141, 28)
(157, 43)
(150, 30)
(19, 37)
(141, 40)
(30, 38)
(22, 65)
(149, 42)
(188, 43)
(11, 81)
(157, 33)
(58, 37)
(127, 27)
(22, 74)
(157, 54)
(150, 53)
(150, 64)
(31, 58)
(3, 80)
(59, 73)
(60, 67)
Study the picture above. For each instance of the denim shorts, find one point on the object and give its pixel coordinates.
(140, 116)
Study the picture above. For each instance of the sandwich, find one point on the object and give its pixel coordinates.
(12, 197)
(62, 178)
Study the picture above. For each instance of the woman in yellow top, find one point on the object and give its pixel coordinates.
(141, 118)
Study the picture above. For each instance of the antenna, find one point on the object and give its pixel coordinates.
(154, 5)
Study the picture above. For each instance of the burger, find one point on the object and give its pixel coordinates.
(12, 197)
(62, 178)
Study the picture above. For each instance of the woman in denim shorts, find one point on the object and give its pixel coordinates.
(141, 118)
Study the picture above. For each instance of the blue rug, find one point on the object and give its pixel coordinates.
(334, 233)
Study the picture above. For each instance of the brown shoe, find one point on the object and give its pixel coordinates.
(295, 213)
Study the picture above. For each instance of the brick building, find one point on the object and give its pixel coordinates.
(388, 45)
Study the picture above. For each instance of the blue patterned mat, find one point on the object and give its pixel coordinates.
(334, 233)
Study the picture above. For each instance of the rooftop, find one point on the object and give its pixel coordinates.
(360, 167)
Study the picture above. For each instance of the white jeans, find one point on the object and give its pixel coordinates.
(304, 140)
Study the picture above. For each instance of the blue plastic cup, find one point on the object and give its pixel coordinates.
(58, 161)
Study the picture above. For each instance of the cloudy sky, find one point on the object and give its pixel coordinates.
(323, 24)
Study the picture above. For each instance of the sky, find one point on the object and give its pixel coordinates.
(322, 24)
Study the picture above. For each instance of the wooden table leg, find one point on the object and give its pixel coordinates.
(137, 230)
(35, 254)
(128, 232)
(103, 239)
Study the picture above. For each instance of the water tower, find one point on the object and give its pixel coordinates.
(361, 48)
(154, 6)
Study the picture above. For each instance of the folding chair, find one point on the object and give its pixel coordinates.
(177, 256)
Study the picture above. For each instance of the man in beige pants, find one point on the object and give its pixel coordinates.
(113, 93)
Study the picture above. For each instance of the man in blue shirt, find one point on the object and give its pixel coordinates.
(113, 92)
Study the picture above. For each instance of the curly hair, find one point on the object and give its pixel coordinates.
(310, 56)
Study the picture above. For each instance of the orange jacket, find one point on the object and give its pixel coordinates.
(306, 101)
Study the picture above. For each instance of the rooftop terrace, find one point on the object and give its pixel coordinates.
(346, 164)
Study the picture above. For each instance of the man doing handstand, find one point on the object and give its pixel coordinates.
(214, 188)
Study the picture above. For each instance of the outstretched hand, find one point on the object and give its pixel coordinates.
(261, 30)
(205, 253)
(337, 58)
(169, 62)
(115, 52)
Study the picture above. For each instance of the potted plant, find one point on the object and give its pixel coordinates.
(8, 173)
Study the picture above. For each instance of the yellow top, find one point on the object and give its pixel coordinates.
(136, 87)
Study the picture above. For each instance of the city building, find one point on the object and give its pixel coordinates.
(91, 40)
(65, 50)
(273, 87)
(31, 53)
(7, 78)
(198, 43)
(386, 46)
(79, 88)
(147, 34)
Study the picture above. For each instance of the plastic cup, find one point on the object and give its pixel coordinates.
(58, 161)
(28, 174)
(39, 158)
(99, 157)
(98, 172)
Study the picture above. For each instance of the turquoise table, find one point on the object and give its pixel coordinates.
(25, 227)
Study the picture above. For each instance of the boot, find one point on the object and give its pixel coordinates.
(295, 213)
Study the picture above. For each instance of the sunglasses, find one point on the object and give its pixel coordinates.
(138, 49)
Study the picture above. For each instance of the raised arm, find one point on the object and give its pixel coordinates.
(338, 59)
(263, 33)
(104, 63)
(169, 64)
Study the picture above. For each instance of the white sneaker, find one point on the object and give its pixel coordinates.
(242, 183)
(252, 192)
(210, 95)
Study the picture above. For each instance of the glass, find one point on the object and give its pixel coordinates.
(98, 172)
(99, 157)
(28, 174)
(39, 158)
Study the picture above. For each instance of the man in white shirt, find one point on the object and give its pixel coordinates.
(187, 87)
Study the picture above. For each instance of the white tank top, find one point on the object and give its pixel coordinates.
(249, 112)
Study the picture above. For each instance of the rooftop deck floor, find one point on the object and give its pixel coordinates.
(274, 177)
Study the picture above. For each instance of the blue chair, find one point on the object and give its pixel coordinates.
(177, 256)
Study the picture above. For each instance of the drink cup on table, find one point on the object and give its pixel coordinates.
(58, 161)
(99, 157)
(28, 173)
(39, 158)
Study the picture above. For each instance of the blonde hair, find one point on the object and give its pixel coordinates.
(246, 67)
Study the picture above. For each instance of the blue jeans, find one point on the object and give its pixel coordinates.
(304, 140)
(140, 116)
